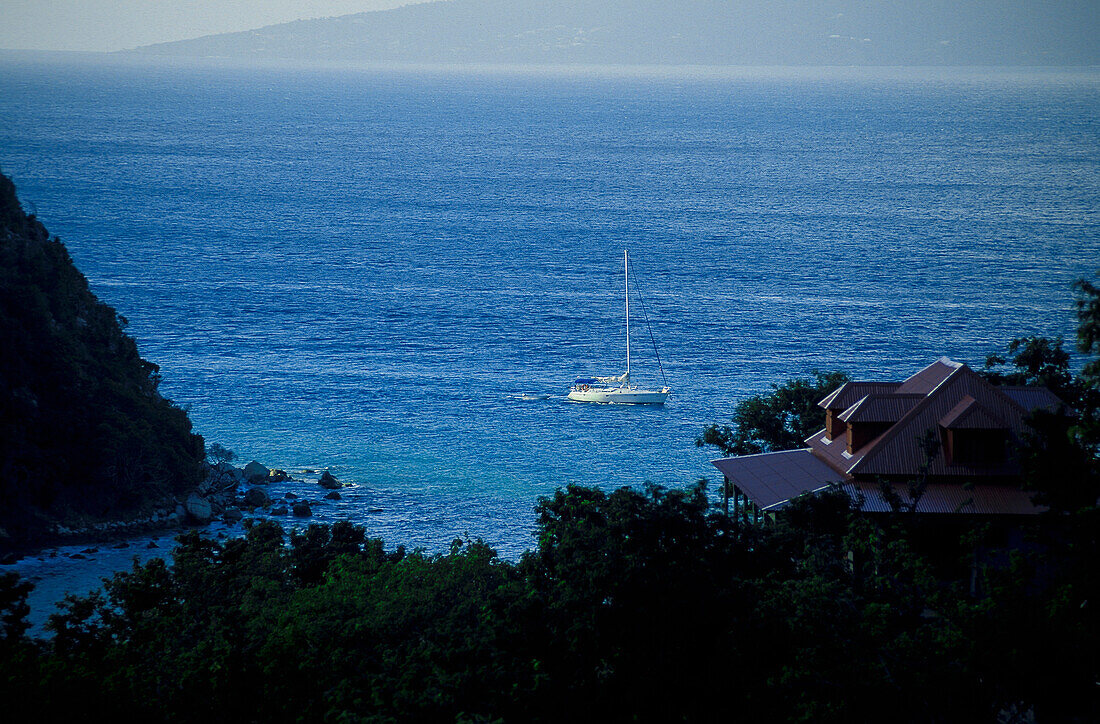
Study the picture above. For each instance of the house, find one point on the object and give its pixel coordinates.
(945, 428)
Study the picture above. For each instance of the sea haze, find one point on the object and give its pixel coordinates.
(703, 32)
(360, 269)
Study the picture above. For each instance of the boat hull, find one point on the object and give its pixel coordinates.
(620, 396)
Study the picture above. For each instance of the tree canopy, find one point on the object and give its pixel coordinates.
(781, 419)
(1061, 454)
(636, 605)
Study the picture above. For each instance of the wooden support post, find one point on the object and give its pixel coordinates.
(726, 495)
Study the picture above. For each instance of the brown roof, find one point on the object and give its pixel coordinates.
(898, 452)
(835, 452)
(881, 407)
(969, 414)
(930, 377)
(948, 498)
(771, 480)
(774, 478)
(1034, 398)
(850, 393)
(945, 394)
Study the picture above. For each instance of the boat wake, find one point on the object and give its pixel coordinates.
(529, 396)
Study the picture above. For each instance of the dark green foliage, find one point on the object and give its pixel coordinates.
(1036, 361)
(640, 597)
(1088, 329)
(21, 660)
(778, 420)
(1088, 342)
(636, 606)
(217, 453)
(1058, 465)
(1061, 453)
(13, 606)
(83, 431)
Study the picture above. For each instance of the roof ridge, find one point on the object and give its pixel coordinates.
(852, 407)
(893, 394)
(926, 374)
(871, 397)
(756, 455)
(825, 401)
(957, 365)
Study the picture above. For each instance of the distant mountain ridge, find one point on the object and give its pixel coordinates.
(699, 32)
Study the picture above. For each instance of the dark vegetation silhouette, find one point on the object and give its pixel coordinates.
(636, 605)
(780, 419)
(84, 433)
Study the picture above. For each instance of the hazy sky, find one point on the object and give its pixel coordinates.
(119, 24)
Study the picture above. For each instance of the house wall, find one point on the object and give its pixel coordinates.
(861, 433)
(834, 426)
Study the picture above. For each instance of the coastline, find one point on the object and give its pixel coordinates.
(79, 560)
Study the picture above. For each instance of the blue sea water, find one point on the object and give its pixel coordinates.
(360, 269)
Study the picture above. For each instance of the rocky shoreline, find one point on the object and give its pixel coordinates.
(226, 494)
(76, 558)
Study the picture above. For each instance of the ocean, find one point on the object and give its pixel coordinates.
(361, 269)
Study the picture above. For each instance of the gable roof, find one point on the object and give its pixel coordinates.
(835, 452)
(849, 393)
(970, 414)
(881, 407)
(931, 376)
(945, 395)
(898, 451)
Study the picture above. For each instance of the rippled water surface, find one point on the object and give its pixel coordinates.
(361, 269)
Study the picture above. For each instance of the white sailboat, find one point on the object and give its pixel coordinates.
(617, 389)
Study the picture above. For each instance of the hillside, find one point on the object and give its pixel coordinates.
(702, 32)
(84, 434)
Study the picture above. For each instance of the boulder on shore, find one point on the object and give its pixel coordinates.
(198, 509)
(328, 482)
(227, 470)
(257, 498)
(302, 510)
(279, 510)
(278, 476)
(256, 472)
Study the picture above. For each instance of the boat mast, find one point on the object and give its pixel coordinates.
(626, 274)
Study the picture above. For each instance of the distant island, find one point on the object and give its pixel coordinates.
(695, 32)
